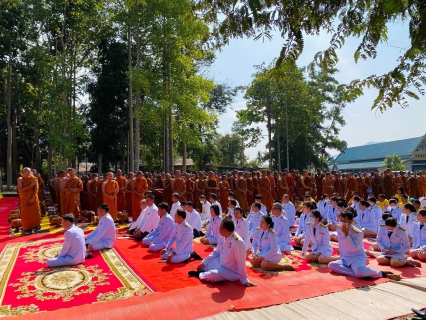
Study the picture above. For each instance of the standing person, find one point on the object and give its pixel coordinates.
(129, 195)
(121, 196)
(178, 185)
(319, 177)
(212, 233)
(328, 184)
(138, 186)
(227, 261)
(422, 186)
(224, 192)
(419, 237)
(250, 189)
(388, 184)
(353, 261)
(273, 184)
(413, 183)
(290, 182)
(110, 190)
(158, 238)
(167, 189)
(74, 249)
(282, 187)
(366, 185)
(182, 236)
(73, 187)
(241, 191)
(394, 243)
(281, 227)
(212, 185)
(103, 237)
(190, 188)
(306, 183)
(99, 194)
(266, 251)
(28, 198)
(92, 191)
(84, 195)
(200, 188)
(318, 236)
(265, 190)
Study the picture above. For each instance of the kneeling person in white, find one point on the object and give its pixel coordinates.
(74, 250)
(353, 261)
(160, 236)
(318, 235)
(104, 234)
(212, 233)
(183, 236)
(227, 261)
(266, 252)
(281, 227)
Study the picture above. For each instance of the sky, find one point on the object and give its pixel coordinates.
(235, 66)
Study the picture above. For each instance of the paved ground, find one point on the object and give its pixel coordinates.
(382, 301)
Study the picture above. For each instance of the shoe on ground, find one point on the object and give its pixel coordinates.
(195, 274)
(89, 256)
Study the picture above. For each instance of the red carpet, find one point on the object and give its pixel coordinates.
(176, 295)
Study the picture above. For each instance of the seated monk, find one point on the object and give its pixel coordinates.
(104, 234)
(74, 250)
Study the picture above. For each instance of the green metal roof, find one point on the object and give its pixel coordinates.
(379, 150)
(360, 165)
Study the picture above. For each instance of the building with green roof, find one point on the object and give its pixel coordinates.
(371, 157)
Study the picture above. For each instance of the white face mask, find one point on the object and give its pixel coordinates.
(201, 202)
(229, 198)
(393, 206)
(311, 220)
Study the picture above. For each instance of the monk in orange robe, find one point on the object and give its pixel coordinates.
(167, 189)
(337, 184)
(422, 184)
(350, 186)
(110, 190)
(413, 183)
(28, 197)
(121, 196)
(306, 183)
(63, 193)
(388, 184)
(190, 188)
(178, 185)
(84, 195)
(212, 185)
(290, 183)
(319, 177)
(328, 185)
(73, 187)
(273, 185)
(200, 189)
(224, 192)
(250, 193)
(99, 194)
(282, 187)
(265, 191)
(149, 181)
(92, 191)
(128, 191)
(255, 186)
(139, 187)
(241, 192)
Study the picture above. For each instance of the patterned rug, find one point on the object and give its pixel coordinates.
(27, 285)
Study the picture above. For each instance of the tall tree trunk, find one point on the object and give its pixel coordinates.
(100, 155)
(169, 84)
(268, 125)
(277, 128)
(9, 123)
(137, 102)
(165, 143)
(37, 134)
(49, 161)
(131, 160)
(184, 158)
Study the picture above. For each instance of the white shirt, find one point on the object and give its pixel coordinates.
(218, 204)
(423, 201)
(150, 219)
(175, 207)
(205, 215)
(135, 224)
(290, 212)
(194, 220)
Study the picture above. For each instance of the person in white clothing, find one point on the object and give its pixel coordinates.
(213, 201)
(423, 201)
(134, 224)
(175, 205)
(242, 227)
(205, 213)
(289, 209)
(149, 220)
(232, 204)
(408, 216)
(231, 196)
(193, 218)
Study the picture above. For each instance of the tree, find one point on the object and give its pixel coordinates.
(363, 19)
(231, 150)
(393, 162)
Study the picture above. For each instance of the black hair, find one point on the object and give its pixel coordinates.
(189, 203)
(258, 196)
(181, 213)
(214, 196)
(391, 222)
(277, 201)
(354, 213)
(164, 206)
(410, 207)
(233, 202)
(342, 204)
(373, 199)
(183, 203)
(334, 199)
(216, 210)
(150, 195)
(317, 215)
(230, 193)
(386, 215)
(228, 225)
(347, 214)
(324, 196)
(416, 201)
(176, 195)
(309, 205)
(405, 196)
(104, 206)
(240, 210)
(356, 198)
(69, 217)
(364, 203)
(269, 221)
(257, 205)
(393, 201)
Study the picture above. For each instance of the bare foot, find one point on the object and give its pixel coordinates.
(415, 263)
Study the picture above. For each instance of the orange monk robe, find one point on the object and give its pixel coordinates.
(267, 198)
(30, 213)
(281, 191)
(350, 186)
(190, 188)
(224, 195)
(149, 181)
(290, 183)
(121, 196)
(250, 189)
(308, 183)
(422, 185)
(167, 192)
(255, 186)
(140, 186)
(241, 197)
(111, 189)
(414, 187)
(99, 194)
(328, 187)
(41, 187)
(338, 186)
(72, 202)
(273, 186)
(92, 199)
(202, 185)
(387, 186)
(211, 183)
(179, 186)
(129, 205)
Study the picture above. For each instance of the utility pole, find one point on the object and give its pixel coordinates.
(286, 130)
